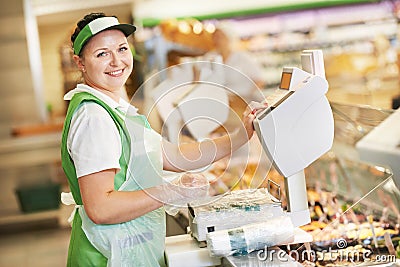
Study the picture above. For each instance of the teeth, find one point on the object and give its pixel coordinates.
(116, 72)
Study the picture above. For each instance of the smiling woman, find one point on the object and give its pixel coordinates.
(102, 54)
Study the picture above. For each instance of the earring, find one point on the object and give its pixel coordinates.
(83, 70)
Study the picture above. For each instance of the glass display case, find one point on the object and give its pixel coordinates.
(354, 205)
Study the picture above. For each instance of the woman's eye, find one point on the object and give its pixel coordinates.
(122, 49)
(102, 54)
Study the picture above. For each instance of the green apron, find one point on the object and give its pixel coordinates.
(146, 247)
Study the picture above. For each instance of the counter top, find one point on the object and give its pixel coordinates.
(30, 150)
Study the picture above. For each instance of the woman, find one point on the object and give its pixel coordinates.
(247, 85)
(113, 159)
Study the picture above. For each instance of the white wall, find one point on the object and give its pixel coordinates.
(17, 98)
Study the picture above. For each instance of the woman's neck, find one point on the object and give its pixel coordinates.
(114, 94)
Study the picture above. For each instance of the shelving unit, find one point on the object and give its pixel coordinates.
(358, 39)
(26, 161)
(28, 217)
(277, 39)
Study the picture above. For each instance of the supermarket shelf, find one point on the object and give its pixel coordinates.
(17, 217)
(149, 16)
(29, 143)
(28, 151)
(27, 156)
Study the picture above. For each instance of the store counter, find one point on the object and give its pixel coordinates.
(273, 258)
(184, 251)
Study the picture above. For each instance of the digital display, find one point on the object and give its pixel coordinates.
(285, 80)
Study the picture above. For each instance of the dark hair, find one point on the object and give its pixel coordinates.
(82, 23)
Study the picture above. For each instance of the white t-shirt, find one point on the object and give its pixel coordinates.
(93, 141)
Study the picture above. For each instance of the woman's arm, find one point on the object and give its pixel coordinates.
(189, 156)
(104, 205)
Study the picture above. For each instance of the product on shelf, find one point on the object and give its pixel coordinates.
(188, 32)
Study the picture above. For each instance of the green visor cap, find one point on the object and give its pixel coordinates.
(99, 25)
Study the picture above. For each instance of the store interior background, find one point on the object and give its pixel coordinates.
(359, 39)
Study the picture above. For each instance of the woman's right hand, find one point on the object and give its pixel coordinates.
(193, 180)
(191, 185)
(183, 189)
(180, 191)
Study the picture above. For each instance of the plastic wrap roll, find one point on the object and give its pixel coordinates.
(251, 237)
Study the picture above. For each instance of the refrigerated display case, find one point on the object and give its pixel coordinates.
(354, 205)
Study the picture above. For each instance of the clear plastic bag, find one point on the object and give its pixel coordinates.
(251, 237)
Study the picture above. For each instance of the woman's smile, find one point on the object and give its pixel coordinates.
(116, 73)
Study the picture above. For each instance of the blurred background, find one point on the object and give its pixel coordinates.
(361, 47)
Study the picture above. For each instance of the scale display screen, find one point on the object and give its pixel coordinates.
(285, 80)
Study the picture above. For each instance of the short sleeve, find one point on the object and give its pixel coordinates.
(94, 142)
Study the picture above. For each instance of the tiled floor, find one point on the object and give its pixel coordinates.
(36, 248)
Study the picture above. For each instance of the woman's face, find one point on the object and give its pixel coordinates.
(107, 61)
